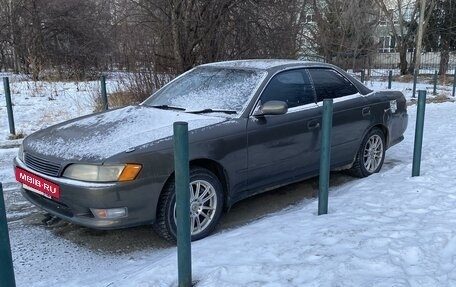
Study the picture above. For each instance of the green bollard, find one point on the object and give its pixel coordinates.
(104, 95)
(419, 133)
(9, 105)
(454, 82)
(182, 204)
(415, 77)
(434, 91)
(6, 260)
(325, 156)
(390, 79)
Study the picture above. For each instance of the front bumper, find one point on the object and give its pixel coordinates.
(76, 198)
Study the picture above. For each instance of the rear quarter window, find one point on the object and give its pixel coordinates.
(330, 84)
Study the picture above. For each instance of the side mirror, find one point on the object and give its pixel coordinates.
(272, 108)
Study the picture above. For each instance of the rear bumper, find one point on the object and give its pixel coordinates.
(140, 197)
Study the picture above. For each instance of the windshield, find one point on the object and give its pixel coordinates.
(209, 88)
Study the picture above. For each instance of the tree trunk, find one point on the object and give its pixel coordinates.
(177, 49)
(444, 56)
(412, 62)
(403, 60)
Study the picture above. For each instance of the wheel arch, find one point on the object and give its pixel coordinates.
(381, 127)
(218, 170)
(356, 168)
(164, 225)
(384, 130)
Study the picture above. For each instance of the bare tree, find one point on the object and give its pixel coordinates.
(158, 38)
(401, 16)
(441, 34)
(170, 37)
(66, 36)
(342, 31)
(8, 58)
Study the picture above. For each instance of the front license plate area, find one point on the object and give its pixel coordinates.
(37, 184)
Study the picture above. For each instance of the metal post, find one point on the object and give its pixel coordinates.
(325, 156)
(454, 82)
(415, 76)
(6, 260)
(182, 204)
(9, 105)
(390, 79)
(419, 133)
(363, 74)
(434, 91)
(104, 96)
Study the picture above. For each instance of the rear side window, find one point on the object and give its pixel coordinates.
(292, 87)
(329, 84)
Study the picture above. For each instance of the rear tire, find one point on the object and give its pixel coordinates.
(206, 205)
(370, 156)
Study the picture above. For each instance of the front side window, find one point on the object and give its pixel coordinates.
(330, 84)
(292, 87)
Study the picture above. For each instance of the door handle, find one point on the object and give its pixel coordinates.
(366, 111)
(313, 125)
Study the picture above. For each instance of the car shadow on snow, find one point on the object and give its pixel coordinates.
(125, 241)
(265, 204)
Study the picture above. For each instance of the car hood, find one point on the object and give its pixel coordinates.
(100, 136)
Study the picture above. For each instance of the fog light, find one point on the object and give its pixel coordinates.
(109, 213)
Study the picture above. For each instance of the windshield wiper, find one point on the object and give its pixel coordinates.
(205, 111)
(167, 107)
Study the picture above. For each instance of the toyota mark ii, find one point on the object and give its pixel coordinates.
(254, 125)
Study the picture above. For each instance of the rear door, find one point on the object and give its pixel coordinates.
(351, 112)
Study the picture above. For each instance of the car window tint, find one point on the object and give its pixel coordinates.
(330, 84)
(292, 87)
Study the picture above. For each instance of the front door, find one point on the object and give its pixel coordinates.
(281, 148)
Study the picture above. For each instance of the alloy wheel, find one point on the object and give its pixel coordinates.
(373, 153)
(203, 204)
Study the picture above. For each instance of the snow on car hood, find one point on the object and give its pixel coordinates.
(103, 135)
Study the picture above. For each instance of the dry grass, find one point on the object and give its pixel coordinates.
(19, 135)
(440, 98)
(116, 99)
(123, 98)
(446, 80)
(403, 78)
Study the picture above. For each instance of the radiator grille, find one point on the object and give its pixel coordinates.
(41, 165)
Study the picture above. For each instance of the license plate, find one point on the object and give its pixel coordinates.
(37, 184)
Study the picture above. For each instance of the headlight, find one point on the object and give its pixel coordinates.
(102, 173)
(20, 153)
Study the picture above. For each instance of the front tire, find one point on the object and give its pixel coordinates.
(206, 205)
(371, 154)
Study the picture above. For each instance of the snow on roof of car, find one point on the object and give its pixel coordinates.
(263, 64)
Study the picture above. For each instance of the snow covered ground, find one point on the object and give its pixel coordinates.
(386, 230)
(39, 104)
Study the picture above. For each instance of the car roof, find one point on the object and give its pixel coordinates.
(266, 64)
(275, 65)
